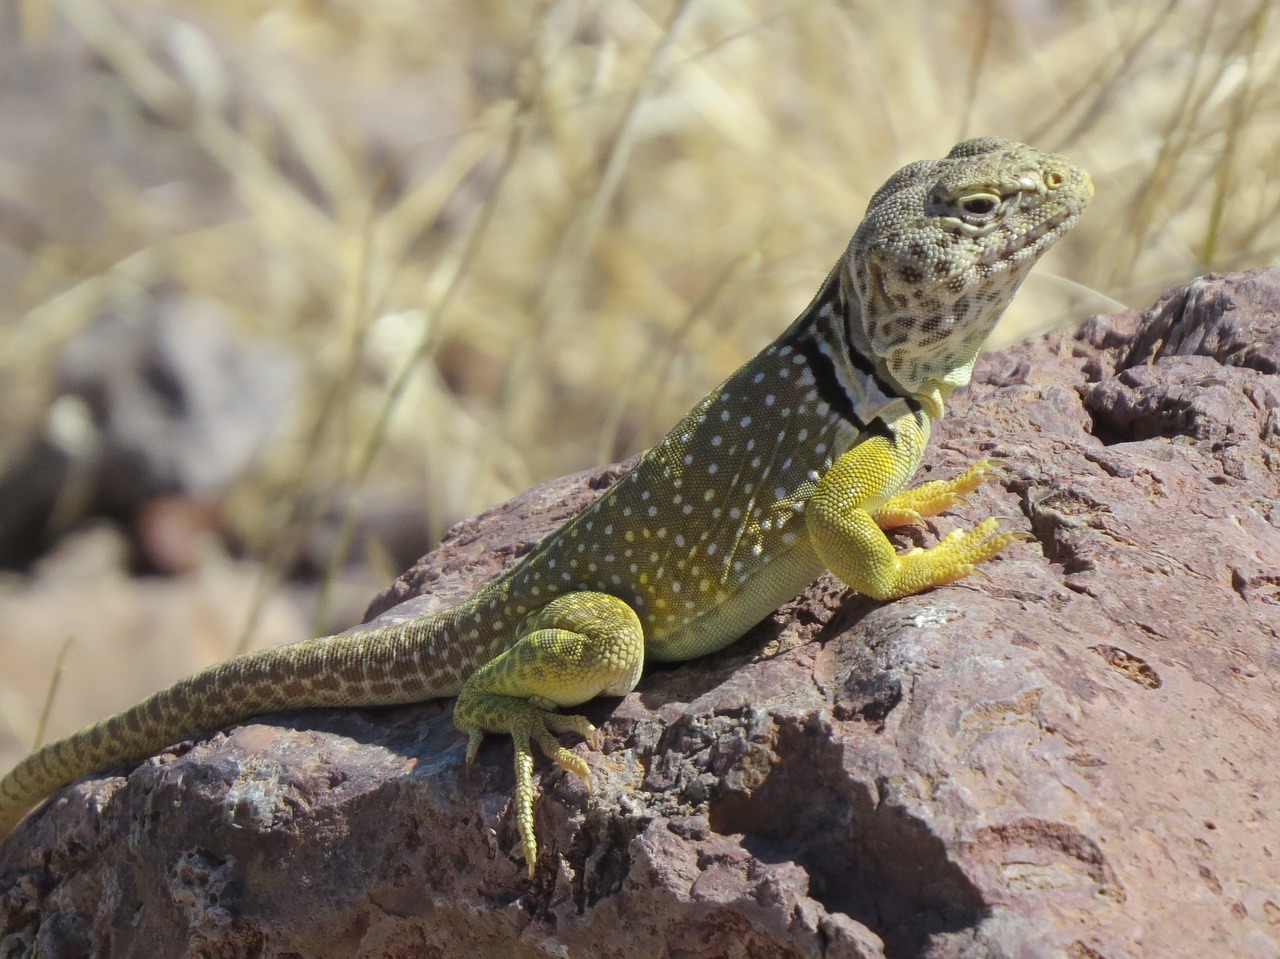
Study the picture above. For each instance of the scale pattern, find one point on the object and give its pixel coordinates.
(795, 464)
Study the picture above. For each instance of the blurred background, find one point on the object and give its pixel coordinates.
(287, 288)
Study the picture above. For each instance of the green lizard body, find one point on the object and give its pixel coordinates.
(791, 466)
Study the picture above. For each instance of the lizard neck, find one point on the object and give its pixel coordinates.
(851, 379)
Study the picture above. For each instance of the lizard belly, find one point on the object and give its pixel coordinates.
(724, 616)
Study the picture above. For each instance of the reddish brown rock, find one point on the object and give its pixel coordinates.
(1074, 757)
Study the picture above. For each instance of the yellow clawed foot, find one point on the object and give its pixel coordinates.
(478, 713)
(578, 646)
(910, 507)
(955, 557)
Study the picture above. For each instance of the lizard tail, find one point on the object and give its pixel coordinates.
(367, 668)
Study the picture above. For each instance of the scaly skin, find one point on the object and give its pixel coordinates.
(794, 464)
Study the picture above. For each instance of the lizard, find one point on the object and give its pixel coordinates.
(798, 462)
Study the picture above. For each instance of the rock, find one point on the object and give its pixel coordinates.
(1074, 757)
(179, 403)
(158, 400)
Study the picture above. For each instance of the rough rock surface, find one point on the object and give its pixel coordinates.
(1074, 757)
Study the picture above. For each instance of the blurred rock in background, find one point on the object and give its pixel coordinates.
(160, 408)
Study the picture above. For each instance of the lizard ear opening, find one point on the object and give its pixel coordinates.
(875, 274)
(874, 303)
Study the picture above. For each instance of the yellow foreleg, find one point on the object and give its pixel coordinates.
(856, 497)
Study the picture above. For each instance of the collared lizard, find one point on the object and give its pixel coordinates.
(794, 464)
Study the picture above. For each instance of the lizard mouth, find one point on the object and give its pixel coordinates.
(1040, 236)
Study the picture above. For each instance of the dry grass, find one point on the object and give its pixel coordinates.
(513, 240)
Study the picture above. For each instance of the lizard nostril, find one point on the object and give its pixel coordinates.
(1053, 180)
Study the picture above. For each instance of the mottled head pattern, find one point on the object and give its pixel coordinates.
(944, 246)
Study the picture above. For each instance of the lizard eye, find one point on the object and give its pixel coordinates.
(979, 204)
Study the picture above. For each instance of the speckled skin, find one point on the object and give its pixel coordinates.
(794, 464)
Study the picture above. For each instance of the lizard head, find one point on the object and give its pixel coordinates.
(941, 252)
